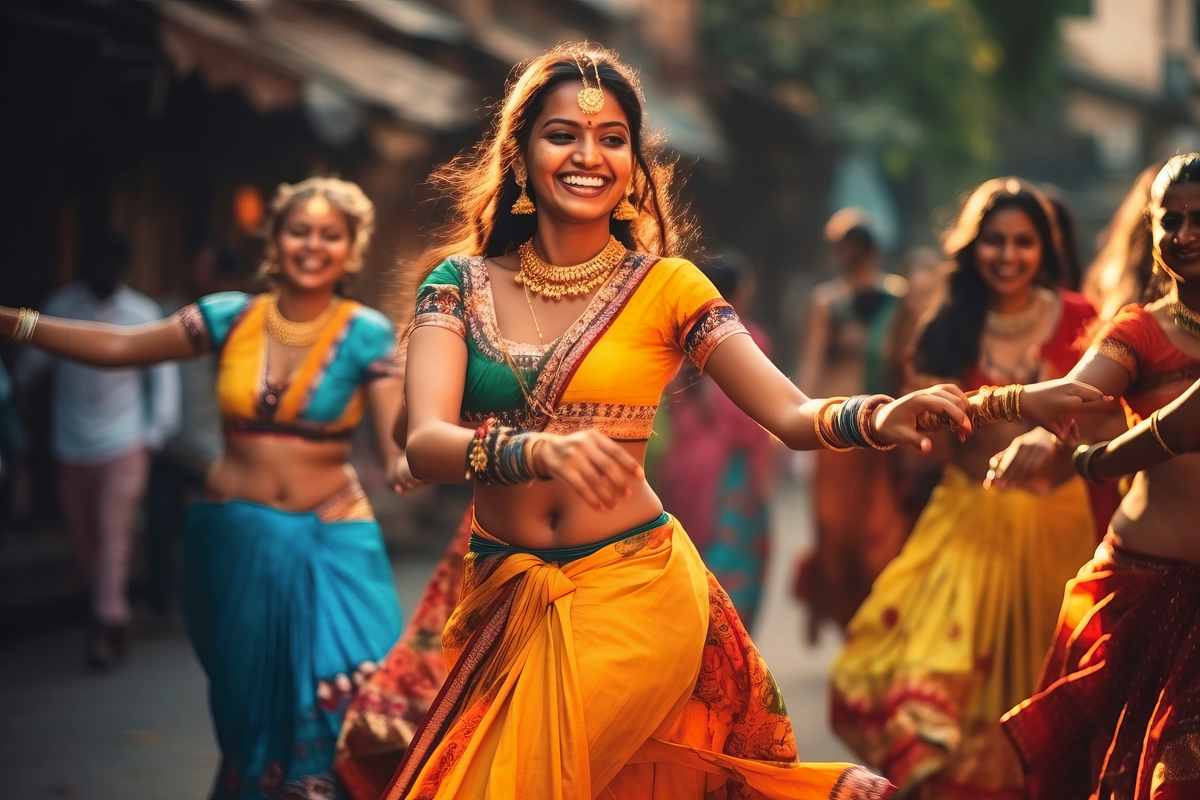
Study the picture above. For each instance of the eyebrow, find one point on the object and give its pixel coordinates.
(572, 123)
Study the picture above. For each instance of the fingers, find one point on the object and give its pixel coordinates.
(596, 467)
(621, 456)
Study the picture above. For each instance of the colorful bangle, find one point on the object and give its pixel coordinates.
(823, 425)
(1158, 436)
(500, 456)
(477, 456)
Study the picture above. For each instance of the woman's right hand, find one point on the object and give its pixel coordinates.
(1051, 404)
(908, 419)
(1036, 461)
(589, 462)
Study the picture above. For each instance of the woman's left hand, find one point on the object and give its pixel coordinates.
(400, 477)
(907, 420)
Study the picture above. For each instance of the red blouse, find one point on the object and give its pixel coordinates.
(1158, 371)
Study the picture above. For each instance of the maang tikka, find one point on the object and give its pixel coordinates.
(590, 98)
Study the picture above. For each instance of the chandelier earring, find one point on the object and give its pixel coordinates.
(524, 206)
(625, 210)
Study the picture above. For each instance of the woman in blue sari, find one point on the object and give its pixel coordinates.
(287, 582)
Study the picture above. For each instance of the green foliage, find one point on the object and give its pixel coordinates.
(909, 79)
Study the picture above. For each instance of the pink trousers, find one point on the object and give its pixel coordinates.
(99, 503)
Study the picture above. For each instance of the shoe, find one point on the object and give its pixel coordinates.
(118, 640)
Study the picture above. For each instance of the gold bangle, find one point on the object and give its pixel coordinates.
(825, 441)
(1158, 436)
(27, 320)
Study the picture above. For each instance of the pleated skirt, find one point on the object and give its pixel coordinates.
(274, 602)
(954, 634)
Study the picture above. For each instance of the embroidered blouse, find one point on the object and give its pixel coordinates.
(323, 399)
(1158, 371)
(607, 371)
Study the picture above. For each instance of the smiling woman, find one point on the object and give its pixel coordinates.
(592, 654)
(286, 581)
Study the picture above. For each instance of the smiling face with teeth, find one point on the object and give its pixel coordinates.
(1176, 220)
(313, 246)
(579, 165)
(1008, 256)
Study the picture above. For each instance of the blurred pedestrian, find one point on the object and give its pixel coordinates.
(716, 473)
(286, 581)
(105, 423)
(860, 524)
(956, 626)
(179, 470)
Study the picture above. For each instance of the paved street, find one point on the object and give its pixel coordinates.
(143, 733)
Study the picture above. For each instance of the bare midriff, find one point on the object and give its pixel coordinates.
(284, 472)
(549, 514)
(1158, 515)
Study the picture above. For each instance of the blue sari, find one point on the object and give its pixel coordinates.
(275, 601)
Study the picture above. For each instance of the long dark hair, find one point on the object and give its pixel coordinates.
(483, 186)
(949, 344)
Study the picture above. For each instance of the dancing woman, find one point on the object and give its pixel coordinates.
(591, 654)
(955, 628)
(1117, 710)
(286, 581)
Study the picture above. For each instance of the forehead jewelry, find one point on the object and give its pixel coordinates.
(590, 98)
(318, 206)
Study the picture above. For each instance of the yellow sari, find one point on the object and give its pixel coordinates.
(620, 669)
(622, 674)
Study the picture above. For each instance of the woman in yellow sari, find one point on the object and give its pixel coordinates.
(592, 654)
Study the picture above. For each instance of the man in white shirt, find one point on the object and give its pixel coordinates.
(104, 422)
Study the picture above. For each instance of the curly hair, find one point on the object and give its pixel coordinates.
(482, 182)
(345, 196)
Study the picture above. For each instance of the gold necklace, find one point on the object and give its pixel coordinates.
(1010, 326)
(295, 334)
(529, 300)
(555, 282)
(1185, 317)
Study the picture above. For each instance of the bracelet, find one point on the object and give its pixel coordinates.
(991, 405)
(1158, 436)
(1081, 459)
(27, 320)
(823, 425)
(866, 413)
(500, 456)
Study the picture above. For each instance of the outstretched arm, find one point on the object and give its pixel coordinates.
(1178, 431)
(104, 345)
(757, 387)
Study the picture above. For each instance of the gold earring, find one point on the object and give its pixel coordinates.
(625, 212)
(524, 206)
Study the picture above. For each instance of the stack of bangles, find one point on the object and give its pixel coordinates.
(501, 456)
(992, 405)
(844, 423)
(27, 320)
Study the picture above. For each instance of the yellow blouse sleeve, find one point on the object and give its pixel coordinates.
(700, 319)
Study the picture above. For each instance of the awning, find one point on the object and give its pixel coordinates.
(274, 54)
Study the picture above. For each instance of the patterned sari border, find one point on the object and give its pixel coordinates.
(445, 707)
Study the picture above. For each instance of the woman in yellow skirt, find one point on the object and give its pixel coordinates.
(592, 654)
(956, 628)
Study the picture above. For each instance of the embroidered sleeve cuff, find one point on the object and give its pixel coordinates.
(441, 307)
(708, 327)
(1119, 352)
(193, 324)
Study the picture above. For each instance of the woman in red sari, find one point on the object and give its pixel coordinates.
(1116, 713)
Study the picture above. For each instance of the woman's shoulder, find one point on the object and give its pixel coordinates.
(224, 300)
(1076, 307)
(370, 321)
